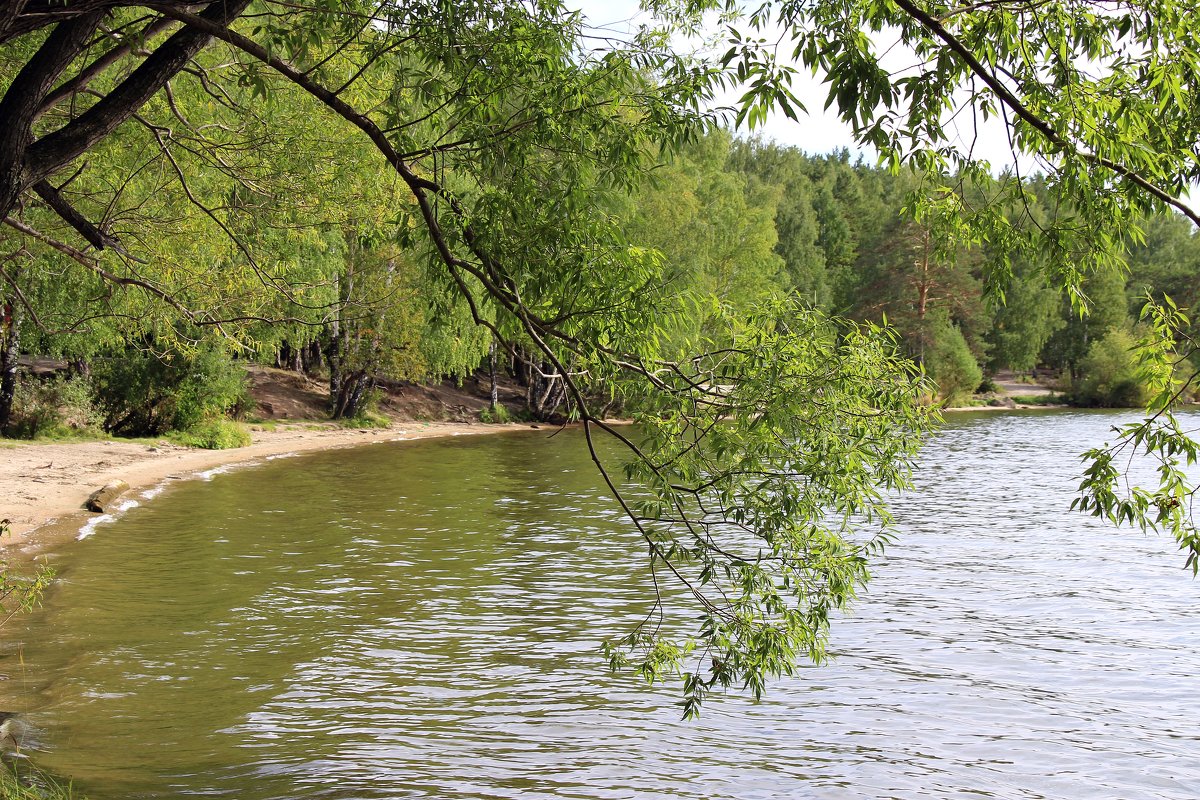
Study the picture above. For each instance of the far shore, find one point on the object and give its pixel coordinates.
(43, 486)
(1015, 407)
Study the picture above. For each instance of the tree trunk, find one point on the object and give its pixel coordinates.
(492, 374)
(26, 163)
(545, 392)
(80, 368)
(333, 357)
(310, 357)
(10, 351)
(338, 350)
(352, 393)
(283, 356)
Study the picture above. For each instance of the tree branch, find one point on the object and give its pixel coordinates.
(90, 263)
(54, 150)
(95, 237)
(1010, 99)
(89, 72)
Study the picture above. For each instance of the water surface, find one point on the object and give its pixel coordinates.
(423, 620)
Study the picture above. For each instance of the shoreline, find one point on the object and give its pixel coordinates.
(43, 486)
(1017, 407)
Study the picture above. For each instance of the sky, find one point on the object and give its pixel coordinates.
(818, 131)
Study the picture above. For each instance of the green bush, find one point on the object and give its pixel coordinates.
(1038, 399)
(146, 394)
(951, 364)
(497, 414)
(60, 407)
(1108, 374)
(218, 433)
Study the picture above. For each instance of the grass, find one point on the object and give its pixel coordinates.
(219, 434)
(366, 420)
(1039, 399)
(66, 433)
(32, 784)
(213, 434)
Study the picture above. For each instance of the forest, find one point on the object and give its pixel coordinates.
(736, 223)
(414, 191)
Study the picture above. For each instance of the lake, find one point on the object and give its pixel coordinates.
(423, 620)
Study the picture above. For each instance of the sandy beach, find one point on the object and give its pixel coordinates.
(42, 484)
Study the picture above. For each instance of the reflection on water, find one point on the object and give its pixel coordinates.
(423, 621)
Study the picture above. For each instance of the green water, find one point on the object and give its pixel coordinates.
(330, 585)
(423, 620)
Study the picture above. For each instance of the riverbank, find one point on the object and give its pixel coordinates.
(1011, 391)
(43, 483)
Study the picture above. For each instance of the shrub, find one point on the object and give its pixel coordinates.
(218, 433)
(365, 419)
(1108, 374)
(951, 364)
(144, 394)
(497, 414)
(56, 407)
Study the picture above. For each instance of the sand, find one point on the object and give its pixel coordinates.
(43, 486)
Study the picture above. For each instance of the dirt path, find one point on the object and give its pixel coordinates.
(1011, 384)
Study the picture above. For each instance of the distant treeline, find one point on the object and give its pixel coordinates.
(848, 241)
(730, 223)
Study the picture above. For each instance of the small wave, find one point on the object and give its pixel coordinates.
(292, 454)
(209, 474)
(154, 491)
(89, 527)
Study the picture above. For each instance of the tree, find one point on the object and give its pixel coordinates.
(713, 228)
(1108, 373)
(1106, 309)
(510, 142)
(795, 220)
(1025, 320)
(1165, 263)
(1096, 95)
(912, 275)
(949, 359)
(784, 432)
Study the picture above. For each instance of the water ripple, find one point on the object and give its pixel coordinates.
(423, 621)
